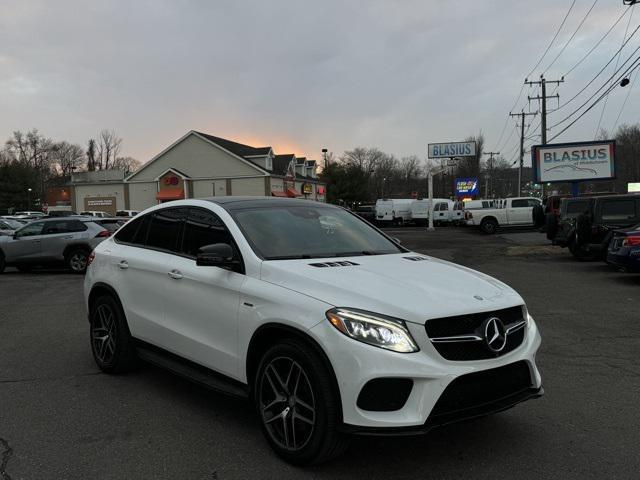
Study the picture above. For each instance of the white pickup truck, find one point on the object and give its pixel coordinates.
(507, 212)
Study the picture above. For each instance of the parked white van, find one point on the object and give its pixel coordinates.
(396, 210)
(420, 210)
(447, 211)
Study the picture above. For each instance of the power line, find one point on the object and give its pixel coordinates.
(553, 39)
(604, 106)
(504, 144)
(603, 95)
(506, 121)
(601, 70)
(598, 42)
(596, 92)
(625, 102)
(570, 38)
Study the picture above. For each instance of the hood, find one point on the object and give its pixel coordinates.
(397, 285)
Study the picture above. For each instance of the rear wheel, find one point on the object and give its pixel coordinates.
(2, 262)
(77, 260)
(297, 404)
(489, 226)
(551, 222)
(111, 342)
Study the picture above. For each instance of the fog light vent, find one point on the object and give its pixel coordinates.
(385, 394)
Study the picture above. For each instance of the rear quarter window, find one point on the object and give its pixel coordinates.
(619, 209)
(135, 231)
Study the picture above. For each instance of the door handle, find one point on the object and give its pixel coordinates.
(123, 265)
(175, 274)
(68, 237)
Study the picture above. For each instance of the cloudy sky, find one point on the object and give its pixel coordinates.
(299, 75)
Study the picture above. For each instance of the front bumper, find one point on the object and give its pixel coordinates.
(436, 421)
(357, 363)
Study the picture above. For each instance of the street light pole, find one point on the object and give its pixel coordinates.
(29, 197)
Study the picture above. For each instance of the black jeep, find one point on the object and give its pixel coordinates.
(586, 225)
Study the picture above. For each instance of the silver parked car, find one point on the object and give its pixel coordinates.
(9, 225)
(52, 241)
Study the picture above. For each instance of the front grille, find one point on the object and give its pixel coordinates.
(480, 389)
(471, 325)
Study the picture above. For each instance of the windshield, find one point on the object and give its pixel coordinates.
(290, 232)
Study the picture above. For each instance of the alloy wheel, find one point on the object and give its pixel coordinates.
(287, 403)
(103, 333)
(78, 262)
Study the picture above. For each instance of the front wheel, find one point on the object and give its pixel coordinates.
(297, 404)
(580, 252)
(489, 226)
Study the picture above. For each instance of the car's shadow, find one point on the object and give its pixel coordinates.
(461, 445)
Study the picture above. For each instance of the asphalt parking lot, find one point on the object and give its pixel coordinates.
(60, 418)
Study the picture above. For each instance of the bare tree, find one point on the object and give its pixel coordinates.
(34, 150)
(68, 157)
(126, 164)
(109, 145)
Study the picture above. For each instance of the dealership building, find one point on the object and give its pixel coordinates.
(197, 165)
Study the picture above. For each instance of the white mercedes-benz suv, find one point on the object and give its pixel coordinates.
(330, 327)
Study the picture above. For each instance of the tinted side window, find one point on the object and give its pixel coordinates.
(444, 207)
(203, 228)
(63, 226)
(519, 203)
(534, 203)
(619, 209)
(135, 231)
(34, 228)
(165, 231)
(576, 208)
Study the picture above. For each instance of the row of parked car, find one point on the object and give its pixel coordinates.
(487, 215)
(405, 211)
(604, 227)
(53, 240)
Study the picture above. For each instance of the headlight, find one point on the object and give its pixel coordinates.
(377, 330)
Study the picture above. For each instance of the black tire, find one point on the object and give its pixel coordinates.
(580, 252)
(538, 216)
(77, 259)
(292, 377)
(489, 226)
(2, 262)
(583, 229)
(551, 222)
(111, 343)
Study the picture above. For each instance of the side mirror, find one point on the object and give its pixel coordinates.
(216, 255)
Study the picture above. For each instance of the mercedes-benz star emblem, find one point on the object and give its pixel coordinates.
(495, 334)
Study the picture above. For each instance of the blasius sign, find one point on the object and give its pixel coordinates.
(574, 162)
(452, 149)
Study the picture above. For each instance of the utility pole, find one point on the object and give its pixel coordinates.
(486, 180)
(523, 114)
(543, 120)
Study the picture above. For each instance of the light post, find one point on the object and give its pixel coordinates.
(384, 179)
(29, 197)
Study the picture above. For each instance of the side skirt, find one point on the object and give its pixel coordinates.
(191, 370)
